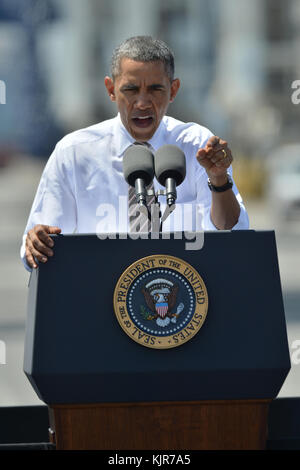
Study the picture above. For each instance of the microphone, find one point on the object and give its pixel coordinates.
(170, 170)
(138, 170)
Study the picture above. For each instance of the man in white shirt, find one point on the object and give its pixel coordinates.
(83, 177)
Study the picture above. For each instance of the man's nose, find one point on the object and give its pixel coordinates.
(143, 101)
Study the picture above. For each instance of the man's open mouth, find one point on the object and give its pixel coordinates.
(143, 121)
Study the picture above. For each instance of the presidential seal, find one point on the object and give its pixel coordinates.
(160, 301)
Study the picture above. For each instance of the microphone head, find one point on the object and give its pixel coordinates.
(169, 162)
(138, 162)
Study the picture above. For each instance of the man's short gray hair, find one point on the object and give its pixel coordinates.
(143, 49)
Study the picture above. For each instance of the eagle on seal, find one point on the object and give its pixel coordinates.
(160, 296)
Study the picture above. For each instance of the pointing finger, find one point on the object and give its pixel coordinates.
(212, 141)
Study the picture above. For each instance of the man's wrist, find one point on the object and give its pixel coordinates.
(218, 180)
(220, 183)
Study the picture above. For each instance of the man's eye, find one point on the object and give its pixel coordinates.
(129, 90)
(157, 88)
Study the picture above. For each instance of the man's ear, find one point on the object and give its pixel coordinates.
(175, 85)
(110, 87)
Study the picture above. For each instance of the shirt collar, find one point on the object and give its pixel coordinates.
(123, 139)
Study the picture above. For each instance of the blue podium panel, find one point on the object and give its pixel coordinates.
(76, 351)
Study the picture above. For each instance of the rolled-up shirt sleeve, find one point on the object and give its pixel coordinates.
(54, 203)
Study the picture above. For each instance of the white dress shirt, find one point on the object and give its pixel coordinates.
(82, 188)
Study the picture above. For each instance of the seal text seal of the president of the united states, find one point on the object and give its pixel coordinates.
(160, 301)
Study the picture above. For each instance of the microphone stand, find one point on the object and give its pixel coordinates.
(156, 217)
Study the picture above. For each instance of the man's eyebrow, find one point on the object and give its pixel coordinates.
(132, 86)
(157, 85)
(129, 86)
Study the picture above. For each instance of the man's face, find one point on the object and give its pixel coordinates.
(142, 92)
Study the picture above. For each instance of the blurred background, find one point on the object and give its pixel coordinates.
(238, 62)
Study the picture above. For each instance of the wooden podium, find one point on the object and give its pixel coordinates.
(106, 391)
(206, 425)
